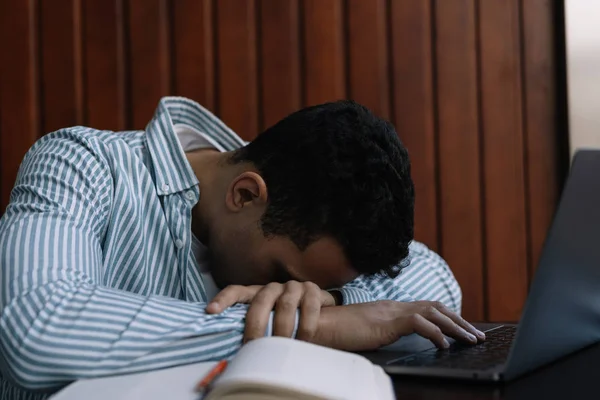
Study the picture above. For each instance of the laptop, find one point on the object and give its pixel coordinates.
(562, 312)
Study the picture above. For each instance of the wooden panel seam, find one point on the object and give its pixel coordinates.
(482, 183)
(525, 139)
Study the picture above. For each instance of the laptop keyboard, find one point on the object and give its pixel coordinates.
(492, 352)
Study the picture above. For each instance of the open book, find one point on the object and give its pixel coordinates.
(266, 368)
(280, 368)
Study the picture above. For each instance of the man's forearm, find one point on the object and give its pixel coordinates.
(428, 278)
(64, 331)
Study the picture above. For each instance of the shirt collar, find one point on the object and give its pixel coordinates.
(172, 171)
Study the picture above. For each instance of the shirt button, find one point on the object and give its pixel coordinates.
(179, 243)
(165, 187)
(189, 195)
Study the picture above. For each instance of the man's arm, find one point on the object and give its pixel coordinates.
(428, 277)
(57, 322)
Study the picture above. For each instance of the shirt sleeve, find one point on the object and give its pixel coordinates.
(427, 277)
(58, 323)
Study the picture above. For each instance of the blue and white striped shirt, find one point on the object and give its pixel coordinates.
(96, 273)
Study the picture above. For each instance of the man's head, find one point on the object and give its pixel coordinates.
(324, 195)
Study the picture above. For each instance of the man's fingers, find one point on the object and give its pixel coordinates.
(460, 321)
(448, 326)
(285, 299)
(429, 330)
(231, 295)
(259, 311)
(310, 310)
(286, 308)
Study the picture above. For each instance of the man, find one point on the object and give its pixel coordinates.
(114, 244)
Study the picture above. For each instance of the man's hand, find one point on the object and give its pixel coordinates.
(284, 299)
(368, 326)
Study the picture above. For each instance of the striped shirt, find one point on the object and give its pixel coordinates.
(96, 273)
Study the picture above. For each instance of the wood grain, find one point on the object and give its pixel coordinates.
(106, 94)
(503, 155)
(280, 59)
(324, 51)
(459, 149)
(61, 60)
(193, 50)
(413, 111)
(368, 55)
(19, 83)
(237, 78)
(541, 124)
(150, 68)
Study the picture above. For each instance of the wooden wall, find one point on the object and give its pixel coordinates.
(470, 85)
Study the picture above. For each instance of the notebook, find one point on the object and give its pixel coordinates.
(266, 368)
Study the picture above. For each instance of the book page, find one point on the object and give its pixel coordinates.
(268, 367)
(303, 367)
(176, 383)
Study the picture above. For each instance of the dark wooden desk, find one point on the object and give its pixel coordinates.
(574, 377)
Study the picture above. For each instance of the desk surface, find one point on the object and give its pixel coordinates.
(574, 377)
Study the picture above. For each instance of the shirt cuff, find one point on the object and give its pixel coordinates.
(352, 295)
(269, 331)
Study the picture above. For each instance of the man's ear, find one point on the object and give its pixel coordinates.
(246, 189)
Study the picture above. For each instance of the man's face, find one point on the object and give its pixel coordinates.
(242, 255)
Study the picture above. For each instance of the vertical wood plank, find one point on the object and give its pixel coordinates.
(413, 112)
(280, 59)
(459, 145)
(501, 99)
(19, 82)
(193, 51)
(540, 120)
(324, 51)
(149, 57)
(237, 75)
(3, 202)
(105, 64)
(61, 60)
(368, 55)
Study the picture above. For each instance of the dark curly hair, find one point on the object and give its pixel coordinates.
(338, 170)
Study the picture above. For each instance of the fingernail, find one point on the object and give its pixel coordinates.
(214, 305)
(471, 337)
(480, 335)
(445, 343)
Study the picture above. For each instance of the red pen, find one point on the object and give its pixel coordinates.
(212, 374)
